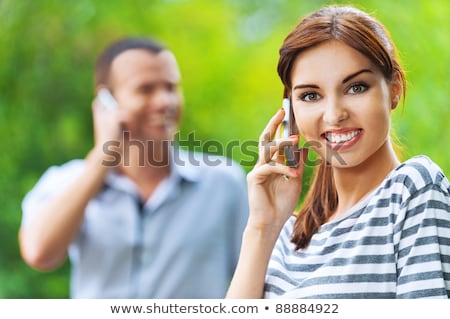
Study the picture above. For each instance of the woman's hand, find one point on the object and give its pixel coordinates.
(273, 187)
(273, 190)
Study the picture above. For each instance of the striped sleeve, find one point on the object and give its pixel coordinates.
(422, 237)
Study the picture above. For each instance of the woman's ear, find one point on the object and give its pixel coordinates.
(396, 91)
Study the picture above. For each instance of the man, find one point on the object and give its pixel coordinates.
(138, 217)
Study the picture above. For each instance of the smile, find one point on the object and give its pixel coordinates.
(161, 120)
(341, 137)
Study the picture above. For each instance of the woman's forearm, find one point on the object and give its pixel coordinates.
(256, 249)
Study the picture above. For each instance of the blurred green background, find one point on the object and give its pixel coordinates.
(227, 51)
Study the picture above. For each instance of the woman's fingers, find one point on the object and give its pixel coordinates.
(261, 173)
(271, 149)
(275, 150)
(302, 155)
(279, 168)
(271, 127)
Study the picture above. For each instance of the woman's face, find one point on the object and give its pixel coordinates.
(342, 103)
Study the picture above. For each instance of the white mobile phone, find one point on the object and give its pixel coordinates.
(288, 128)
(107, 100)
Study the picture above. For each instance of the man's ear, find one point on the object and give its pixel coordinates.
(396, 91)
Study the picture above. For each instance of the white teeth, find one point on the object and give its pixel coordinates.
(160, 120)
(341, 138)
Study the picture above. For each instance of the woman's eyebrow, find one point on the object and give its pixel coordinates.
(348, 78)
(351, 76)
(302, 86)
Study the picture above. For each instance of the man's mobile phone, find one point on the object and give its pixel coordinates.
(107, 100)
(289, 128)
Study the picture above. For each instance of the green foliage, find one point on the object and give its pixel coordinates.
(227, 52)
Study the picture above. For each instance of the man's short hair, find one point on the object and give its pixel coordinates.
(105, 59)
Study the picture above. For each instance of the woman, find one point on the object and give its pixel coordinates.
(370, 226)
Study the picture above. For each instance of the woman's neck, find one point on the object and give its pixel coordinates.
(353, 183)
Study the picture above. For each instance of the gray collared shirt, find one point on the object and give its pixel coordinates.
(183, 242)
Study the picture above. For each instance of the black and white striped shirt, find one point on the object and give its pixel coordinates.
(395, 243)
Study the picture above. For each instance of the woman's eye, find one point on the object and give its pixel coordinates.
(309, 97)
(357, 88)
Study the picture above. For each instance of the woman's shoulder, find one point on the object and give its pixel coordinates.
(419, 172)
(421, 163)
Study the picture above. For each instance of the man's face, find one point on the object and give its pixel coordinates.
(146, 86)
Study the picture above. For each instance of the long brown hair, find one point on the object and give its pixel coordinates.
(365, 34)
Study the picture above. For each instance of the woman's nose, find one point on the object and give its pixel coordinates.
(335, 112)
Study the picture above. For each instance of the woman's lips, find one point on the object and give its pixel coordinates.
(342, 139)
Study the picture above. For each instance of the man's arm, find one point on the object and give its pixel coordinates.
(44, 240)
